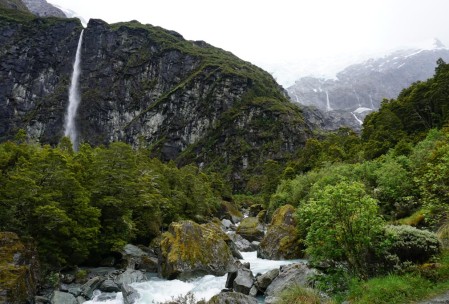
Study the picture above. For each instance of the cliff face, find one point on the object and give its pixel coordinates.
(144, 85)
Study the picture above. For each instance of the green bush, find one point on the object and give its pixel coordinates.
(409, 244)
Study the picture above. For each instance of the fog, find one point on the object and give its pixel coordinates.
(288, 38)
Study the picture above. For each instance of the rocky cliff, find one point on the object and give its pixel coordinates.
(186, 100)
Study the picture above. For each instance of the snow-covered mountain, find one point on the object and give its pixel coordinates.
(360, 88)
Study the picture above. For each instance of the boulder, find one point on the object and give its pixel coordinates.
(189, 249)
(230, 212)
(242, 244)
(19, 269)
(264, 280)
(282, 240)
(255, 209)
(227, 224)
(129, 276)
(87, 290)
(232, 298)
(109, 286)
(130, 295)
(251, 229)
(243, 281)
(136, 258)
(59, 297)
(298, 273)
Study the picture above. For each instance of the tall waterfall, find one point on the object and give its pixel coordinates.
(328, 103)
(74, 98)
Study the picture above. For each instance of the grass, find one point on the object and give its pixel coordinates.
(300, 295)
(425, 282)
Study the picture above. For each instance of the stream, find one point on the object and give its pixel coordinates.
(160, 290)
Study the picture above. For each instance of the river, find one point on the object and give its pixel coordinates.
(160, 290)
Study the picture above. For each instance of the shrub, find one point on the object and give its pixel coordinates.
(409, 244)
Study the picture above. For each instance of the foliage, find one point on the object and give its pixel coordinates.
(341, 222)
(85, 204)
(418, 109)
(298, 294)
(409, 244)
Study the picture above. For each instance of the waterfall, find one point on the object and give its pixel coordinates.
(74, 98)
(328, 105)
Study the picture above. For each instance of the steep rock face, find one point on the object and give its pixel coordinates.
(19, 270)
(189, 249)
(35, 65)
(43, 9)
(144, 85)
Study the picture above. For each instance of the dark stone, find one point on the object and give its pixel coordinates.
(264, 280)
(109, 286)
(88, 288)
(243, 281)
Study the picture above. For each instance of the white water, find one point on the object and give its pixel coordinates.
(74, 97)
(356, 118)
(328, 105)
(160, 290)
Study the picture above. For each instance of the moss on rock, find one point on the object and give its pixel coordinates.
(251, 229)
(282, 240)
(18, 270)
(189, 249)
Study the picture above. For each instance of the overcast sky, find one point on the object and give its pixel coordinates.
(289, 38)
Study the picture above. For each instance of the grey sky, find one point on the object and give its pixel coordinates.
(289, 38)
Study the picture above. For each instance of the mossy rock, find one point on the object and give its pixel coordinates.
(18, 270)
(255, 209)
(282, 240)
(251, 229)
(189, 250)
(229, 211)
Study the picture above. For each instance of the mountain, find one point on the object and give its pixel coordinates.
(360, 88)
(42, 8)
(186, 100)
(13, 4)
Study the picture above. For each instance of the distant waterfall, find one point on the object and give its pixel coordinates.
(74, 98)
(328, 105)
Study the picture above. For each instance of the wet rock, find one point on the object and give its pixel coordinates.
(232, 298)
(264, 280)
(129, 276)
(299, 274)
(109, 286)
(88, 288)
(243, 281)
(242, 244)
(282, 240)
(226, 224)
(251, 229)
(189, 249)
(130, 295)
(59, 297)
(136, 258)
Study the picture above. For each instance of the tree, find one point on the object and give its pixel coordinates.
(341, 222)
